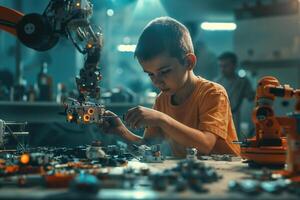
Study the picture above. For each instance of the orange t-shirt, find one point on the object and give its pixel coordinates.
(206, 109)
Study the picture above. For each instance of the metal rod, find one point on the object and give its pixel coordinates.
(18, 52)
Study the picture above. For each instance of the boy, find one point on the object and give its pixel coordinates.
(190, 111)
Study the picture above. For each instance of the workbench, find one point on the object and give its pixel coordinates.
(230, 170)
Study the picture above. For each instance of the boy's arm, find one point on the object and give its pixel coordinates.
(159, 122)
(150, 135)
(130, 137)
(114, 125)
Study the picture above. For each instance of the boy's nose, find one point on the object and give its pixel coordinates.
(157, 81)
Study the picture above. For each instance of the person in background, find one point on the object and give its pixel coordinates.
(238, 88)
(207, 62)
(190, 111)
(6, 83)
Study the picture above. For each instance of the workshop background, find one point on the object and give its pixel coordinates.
(267, 42)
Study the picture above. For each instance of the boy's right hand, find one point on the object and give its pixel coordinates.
(112, 123)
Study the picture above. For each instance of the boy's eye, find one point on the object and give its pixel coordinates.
(165, 71)
(161, 73)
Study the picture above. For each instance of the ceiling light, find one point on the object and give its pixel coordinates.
(218, 26)
(126, 47)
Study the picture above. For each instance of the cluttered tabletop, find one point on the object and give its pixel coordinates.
(134, 172)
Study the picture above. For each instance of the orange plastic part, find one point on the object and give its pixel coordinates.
(58, 180)
(11, 16)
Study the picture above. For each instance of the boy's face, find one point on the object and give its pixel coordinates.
(166, 73)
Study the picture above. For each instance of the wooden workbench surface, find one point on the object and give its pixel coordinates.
(230, 170)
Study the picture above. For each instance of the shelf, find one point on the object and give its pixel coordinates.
(42, 112)
(272, 63)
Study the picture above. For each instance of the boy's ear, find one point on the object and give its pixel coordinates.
(190, 61)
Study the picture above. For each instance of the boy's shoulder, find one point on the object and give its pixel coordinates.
(207, 86)
(204, 88)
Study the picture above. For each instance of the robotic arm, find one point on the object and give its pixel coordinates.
(270, 143)
(41, 32)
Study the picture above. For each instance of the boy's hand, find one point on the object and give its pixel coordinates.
(141, 117)
(112, 123)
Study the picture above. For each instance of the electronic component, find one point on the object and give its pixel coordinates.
(146, 154)
(95, 151)
(85, 113)
(6, 132)
(191, 154)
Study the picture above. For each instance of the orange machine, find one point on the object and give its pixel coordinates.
(269, 145)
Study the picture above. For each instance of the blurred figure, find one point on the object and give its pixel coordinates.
(45, 82)
(237, 87)
(207, 62)
(6, 82)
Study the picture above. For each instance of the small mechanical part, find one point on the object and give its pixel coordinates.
(224, 157)
(271, 186)
(95, 151)
(191, 169)
(205, 157)
(86, 113)
(144, 171)
(252, 186)
(150, 154)
(85, 183)
(264, 175)
(233, 185)
(115, 150)
(91, 111)
(191, 173)
(197, 186)
(24, 159)
(159, 182)
(180, 185)
(6, 132)
(35, 159)
(86, 118)
(249, 186)
(191, 154)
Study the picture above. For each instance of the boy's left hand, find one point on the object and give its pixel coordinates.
(141, 117)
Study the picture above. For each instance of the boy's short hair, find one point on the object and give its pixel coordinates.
(229, 56)
(164, 34)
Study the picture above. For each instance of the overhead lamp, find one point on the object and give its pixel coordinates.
(110, 12)
(218, 26)
(126, 47)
